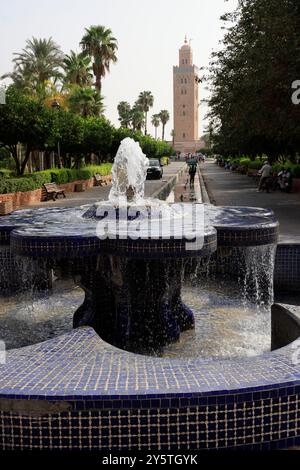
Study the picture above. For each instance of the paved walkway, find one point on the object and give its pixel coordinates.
(100, 193)
(232, 189)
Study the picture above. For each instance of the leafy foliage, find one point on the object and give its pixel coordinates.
(26, 121)
(164, 116)
(99, 44)
(145, 102)
(251, 76)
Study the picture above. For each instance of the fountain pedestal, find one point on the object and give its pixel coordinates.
(135, 304)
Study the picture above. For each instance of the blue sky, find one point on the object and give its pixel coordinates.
(149, 34)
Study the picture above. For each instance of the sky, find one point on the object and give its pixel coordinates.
(149, 35)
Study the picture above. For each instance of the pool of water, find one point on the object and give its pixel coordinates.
(226, 325)
(29, 318)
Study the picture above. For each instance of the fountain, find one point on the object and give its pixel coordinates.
(126, 251)
(131, 255)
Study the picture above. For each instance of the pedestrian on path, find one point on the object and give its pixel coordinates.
(192, 171)
(265, 174)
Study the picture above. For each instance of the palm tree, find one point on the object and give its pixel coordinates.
(77, 69)
(99, 44)
(41, 59)
(86, 102)
(137, 118)
(124, 111)
(145, 101)
(21, 77)
(155, 121)
(164, 117)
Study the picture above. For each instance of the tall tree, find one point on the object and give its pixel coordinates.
(125, 113)
(39, 62)
(21, 77)
(164, 117)
(145, 101)
(137, 118)
(77, 68)
(99, 44)
(251, 76)
(86, 102)
(155, 121)
(25, 121)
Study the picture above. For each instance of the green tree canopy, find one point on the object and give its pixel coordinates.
(251, 78)
(145, 102)
(164, 116)
(39, 62)
(99, 44)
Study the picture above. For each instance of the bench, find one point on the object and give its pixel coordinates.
(52, 190)
(99, 180)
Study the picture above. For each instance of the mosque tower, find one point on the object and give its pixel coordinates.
(186, 102)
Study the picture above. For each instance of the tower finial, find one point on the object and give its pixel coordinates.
(185, 39)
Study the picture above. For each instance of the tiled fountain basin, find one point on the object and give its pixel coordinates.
(78, 392)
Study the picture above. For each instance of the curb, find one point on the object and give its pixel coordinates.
(163, 192)
(204, 193)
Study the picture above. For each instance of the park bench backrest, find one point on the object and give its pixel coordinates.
(51, 187)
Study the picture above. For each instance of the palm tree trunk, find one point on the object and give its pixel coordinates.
(98, 84)
(163, 132)
(155, 133)
(146, 123)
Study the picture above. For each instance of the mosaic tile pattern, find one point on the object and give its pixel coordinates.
(273, 421)
(287, 268)
(81, 363)
(78, 392)
(87, 245)
(66, 231)
(247, 237)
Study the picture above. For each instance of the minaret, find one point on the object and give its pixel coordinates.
(186, 101)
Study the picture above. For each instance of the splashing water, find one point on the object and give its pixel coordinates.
(257, 278)
(129, 173)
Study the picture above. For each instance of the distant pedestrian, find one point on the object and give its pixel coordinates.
(265, 174)
(192, 171)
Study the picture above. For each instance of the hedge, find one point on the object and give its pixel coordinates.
(258, 163)
(5, 173)
(32, 181)
(13, 185)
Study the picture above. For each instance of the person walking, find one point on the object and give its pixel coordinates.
(192, 171)
(265, 173)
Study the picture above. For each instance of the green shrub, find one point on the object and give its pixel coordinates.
(164, 160)
(36, 180)
(295, 168)
(104, 169)
(5, 173)
(255, 164)
(296, 171)
(244, 161)
(72, 174)
(59, 176)
(13, 185)
(84, 173)
(41, 177)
